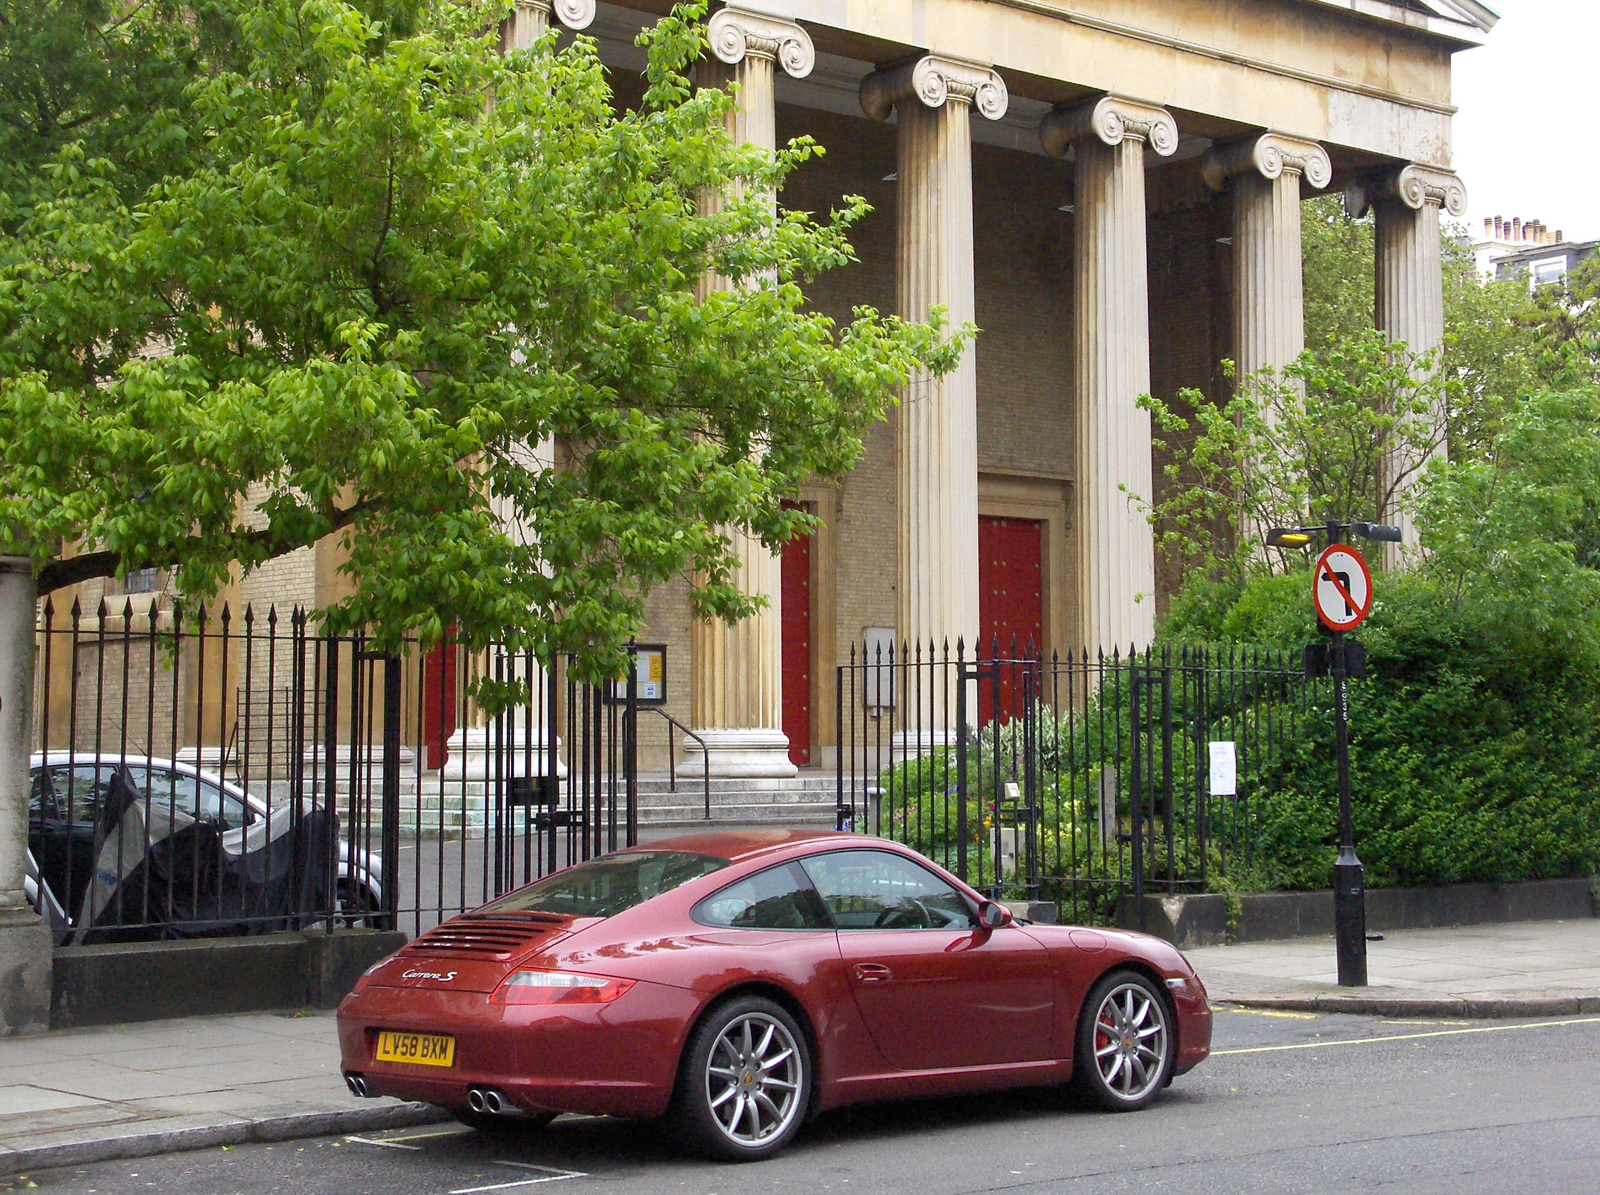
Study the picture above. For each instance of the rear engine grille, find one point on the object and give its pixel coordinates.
(482, 937)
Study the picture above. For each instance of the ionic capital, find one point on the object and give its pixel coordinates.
(737, 33)
(1270, 155)
(1112, 119)
(932, 80)
(1415, 186)
(535, 14)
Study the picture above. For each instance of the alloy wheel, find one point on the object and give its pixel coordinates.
(1130, 1041)
(753, 1079)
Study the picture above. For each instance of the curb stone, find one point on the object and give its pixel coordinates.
(136, 1144)
(1424, 1006)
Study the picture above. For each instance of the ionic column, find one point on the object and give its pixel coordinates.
(1269, 317)
(1410, 276)
(530, 20)
(736, 670)
(1111, 363)
(937, 432)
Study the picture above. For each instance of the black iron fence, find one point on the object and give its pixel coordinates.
(1084, 779)
(205, 774)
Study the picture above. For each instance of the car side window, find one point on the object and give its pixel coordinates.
(79, 789)
(778, 898)
(41, 800)
(880, 890)
(201, 799)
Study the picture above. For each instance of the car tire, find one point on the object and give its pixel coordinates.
(531, 1122)
(745, 1081)
(1126, 1043)
(358, 908)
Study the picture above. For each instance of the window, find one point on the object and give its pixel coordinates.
(79, 789)
(608, 886)
(203, 800)
(1547, 270)
(878, 890)
(778, 898)
(144, 580)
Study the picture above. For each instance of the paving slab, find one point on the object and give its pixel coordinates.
(132, 1090)
(1532, 968)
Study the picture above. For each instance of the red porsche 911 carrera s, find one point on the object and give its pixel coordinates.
(742, 982)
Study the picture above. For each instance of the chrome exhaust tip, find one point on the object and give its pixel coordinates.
(476, 1100)
(357, 1085)
(494, 1104)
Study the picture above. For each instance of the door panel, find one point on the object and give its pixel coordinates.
(1010, 607)
(933, 989)
(945, 998)
(796, 632)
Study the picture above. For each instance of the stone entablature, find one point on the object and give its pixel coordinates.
(1328, 71)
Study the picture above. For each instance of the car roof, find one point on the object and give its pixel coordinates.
(739, 845)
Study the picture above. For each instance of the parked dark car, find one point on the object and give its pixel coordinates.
(70, 822)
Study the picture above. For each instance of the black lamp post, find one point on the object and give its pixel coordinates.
(1349, 876)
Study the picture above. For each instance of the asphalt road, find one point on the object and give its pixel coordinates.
(1289, 1103)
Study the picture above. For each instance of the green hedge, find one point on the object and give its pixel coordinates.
(1475, 754)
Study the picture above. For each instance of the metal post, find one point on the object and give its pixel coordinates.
(1349, 877)
(962, 829)
(390, 794)
(630, 748)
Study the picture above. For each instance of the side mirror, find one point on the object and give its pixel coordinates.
(992, 915)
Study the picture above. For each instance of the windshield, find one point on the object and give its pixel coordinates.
(605, 887)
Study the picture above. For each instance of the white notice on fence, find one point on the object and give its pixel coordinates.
(1224, 770)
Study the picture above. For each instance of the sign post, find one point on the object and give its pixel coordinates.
(1341, 589)
(1343, 594)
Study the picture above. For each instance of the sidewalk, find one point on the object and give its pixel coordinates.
(1529, 968)
(134, 1090)
(125, 1091)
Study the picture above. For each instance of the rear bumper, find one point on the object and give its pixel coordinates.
(618, 1059)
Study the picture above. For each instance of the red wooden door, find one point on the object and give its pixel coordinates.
(438, 703)
(1010, 604)
(796, 590)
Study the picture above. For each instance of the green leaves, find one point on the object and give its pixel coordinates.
(395, 281)
(1341, 433)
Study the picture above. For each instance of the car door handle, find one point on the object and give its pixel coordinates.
(872, 973)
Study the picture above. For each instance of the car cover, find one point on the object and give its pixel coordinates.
(155, 862)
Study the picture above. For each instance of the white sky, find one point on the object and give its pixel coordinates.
(1522, 132)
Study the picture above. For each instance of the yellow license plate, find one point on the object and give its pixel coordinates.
(419, 1049)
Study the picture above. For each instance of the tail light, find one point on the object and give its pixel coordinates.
(558, 987)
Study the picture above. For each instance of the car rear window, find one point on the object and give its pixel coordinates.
(605, 887)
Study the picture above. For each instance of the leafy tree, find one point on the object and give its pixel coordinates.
(1337, 434)
(110, 77)
(1336, 253)
(397, 262)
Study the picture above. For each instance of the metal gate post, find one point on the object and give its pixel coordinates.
(550, 797)
(1136, 789)
(630, 748)
(391, 793)
(330, 749)
(1166, 766)
(961, 764)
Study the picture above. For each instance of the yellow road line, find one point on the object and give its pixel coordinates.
(1267, 1012)
(1367, 1041)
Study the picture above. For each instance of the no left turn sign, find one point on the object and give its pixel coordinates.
(1342, 589)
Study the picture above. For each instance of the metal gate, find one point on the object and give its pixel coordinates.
(202, 774)
(1083, 780)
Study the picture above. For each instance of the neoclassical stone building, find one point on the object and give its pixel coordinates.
(1111, 191)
